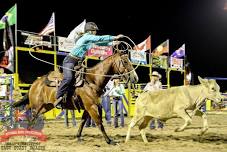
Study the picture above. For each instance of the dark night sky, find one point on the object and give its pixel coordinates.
(200, 24)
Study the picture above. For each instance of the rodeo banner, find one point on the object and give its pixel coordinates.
(100, 51)
(159, 62)
(138, 57)
(28, 39)
(176, 63)
(65, 44)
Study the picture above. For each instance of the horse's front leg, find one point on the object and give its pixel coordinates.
(83, 121)
(89, 98)
(95, 114)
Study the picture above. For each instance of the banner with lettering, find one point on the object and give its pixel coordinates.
(159, 61)
(176, 63)
(65, 44)
(138, 57)
(28, 39)
(100, 51)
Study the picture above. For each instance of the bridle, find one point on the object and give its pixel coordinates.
(118, 64)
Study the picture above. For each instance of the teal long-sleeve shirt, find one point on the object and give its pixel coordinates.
(86, 42)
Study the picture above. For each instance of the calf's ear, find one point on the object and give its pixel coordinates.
(202, 81)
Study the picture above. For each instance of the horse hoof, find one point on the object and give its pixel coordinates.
(79, 139)
(112, 142)
(178, 130)
(49, 106)
(203, 132)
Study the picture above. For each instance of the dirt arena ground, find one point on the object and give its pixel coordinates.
(61, 139)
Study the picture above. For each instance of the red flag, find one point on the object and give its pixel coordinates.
(144, 46)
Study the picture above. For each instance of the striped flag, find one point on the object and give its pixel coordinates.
(50, 27)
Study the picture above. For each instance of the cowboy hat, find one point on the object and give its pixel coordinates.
(155, 73)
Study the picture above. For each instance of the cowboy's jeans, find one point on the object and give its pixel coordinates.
(90, 122)
(67, 119)
(152, 124)
(118, 109)
(66, 83)
(107, 108)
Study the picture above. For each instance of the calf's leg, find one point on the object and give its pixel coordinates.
(184, 115)
(133, 122)
(142, 127)
(205, 123)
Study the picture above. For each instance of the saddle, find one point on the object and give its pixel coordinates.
(79, 75)
(53, 78)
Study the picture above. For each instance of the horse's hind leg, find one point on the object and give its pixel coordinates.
(83, 121)
(38, 112)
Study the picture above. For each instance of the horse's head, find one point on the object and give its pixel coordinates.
(122, 65)
(211, 90)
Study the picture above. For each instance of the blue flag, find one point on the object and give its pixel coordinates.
(179, 53)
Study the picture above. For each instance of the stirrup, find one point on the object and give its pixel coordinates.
(64, 98)
(58, 101)
(49, 106)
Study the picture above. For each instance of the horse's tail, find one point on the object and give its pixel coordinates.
(23, 101)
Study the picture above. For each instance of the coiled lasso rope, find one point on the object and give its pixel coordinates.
(117, 48)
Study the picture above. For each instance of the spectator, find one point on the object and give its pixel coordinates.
(153, 85)
(65, 113)
(117, 93)
(106, 103)
(89, 122)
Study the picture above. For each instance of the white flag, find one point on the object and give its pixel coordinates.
(77, 31)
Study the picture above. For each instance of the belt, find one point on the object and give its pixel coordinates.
(75, 57)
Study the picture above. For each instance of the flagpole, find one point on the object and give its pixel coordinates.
(168, 69)
(185, 57)
(54, 32)
(15, 56)
(150, 58)
(16, 26)
(55, 45)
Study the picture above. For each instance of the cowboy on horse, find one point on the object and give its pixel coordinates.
(76, 55)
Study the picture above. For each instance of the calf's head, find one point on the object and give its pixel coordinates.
(211, 90)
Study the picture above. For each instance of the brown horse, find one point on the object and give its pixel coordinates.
(40, 94)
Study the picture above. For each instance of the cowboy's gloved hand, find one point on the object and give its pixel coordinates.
(116, 43)
(118, 36)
